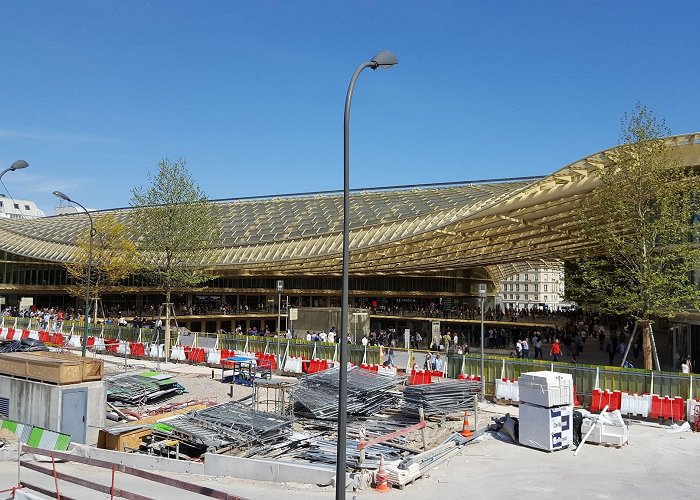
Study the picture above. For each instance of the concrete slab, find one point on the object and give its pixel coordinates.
(145, 462)
(267, 470)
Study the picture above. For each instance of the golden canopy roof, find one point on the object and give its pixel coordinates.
(499, 227)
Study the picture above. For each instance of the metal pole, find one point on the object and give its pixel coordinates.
(343, 341)
(483, 378)
(89, 273)
(279, 327)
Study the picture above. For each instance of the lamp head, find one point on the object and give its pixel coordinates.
(59, 194)
(384, 60)
(19, 164)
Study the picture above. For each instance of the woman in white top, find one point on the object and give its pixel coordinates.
(687, 366)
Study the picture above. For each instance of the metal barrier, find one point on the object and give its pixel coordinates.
(586, 377)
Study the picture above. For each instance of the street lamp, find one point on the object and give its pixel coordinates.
(383, 60)
(482, 296)
(15, 166)
(280, 289)
(64, 197)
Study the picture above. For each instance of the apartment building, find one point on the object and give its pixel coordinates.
(542, 288)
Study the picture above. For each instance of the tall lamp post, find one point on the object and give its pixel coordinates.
(280, 289)
(64, 197)
(15, 166)
(383, 60)
(482, 297)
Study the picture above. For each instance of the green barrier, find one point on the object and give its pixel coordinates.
(630, 380)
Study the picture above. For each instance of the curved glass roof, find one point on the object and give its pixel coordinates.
(496, 226)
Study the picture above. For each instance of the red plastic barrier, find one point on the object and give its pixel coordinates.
(111, 345)
(678, 408)
(597, 400)
(57, 339)
(25, 334)
(90, 340)
(136, 349)
(44, 337)
(615, 401)
(10, 333)
(655, 411)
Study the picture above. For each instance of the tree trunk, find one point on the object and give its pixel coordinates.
(646, 344)
(167, 326)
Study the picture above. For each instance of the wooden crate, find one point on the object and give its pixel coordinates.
(52, 367)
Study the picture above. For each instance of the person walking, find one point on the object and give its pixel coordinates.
(555, 351)
(611, 349)
(538, 348)
(526, 349)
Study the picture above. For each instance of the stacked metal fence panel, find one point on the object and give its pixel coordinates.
(448, 396)
(368, 392)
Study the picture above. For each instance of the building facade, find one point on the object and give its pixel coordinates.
(539, 288)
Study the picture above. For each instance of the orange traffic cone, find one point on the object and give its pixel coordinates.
(466, 432)
(381, 478)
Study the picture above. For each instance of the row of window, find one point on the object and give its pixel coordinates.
(534, 298)
(26, 207)
(515, 287)
(531, 277)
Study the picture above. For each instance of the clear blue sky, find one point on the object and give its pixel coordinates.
(94, 93)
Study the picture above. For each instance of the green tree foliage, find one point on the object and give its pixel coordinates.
(639, 219)
(177, 227)
(114, 257)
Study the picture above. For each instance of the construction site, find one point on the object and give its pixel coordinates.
(243, 423)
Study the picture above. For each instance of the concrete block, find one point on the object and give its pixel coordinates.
(267, 470)
(145, 462)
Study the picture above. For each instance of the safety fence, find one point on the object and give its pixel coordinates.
(124, 340)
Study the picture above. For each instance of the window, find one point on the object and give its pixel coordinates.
(545, 287)
(525, 287)
(1, 204)
(537, 288)
(527, 277)
(17, 206)
(517, 287)
(545, 297)
(546, 277)
(517, 296)
(26, 207)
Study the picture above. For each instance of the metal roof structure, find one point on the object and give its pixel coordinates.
(492, 229)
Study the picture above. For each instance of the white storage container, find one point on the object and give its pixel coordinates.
(546, 388)
(547, 429)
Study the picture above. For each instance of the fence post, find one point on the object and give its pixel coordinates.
(596, 384)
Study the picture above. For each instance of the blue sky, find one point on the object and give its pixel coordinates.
(94, 93)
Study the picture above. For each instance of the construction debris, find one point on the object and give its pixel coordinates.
(368, 393)
(450, 396)
(24, 345)
(146, 388)
(231, 424)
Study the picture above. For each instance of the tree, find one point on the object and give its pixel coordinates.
(114, 257)
(177, 227)
(639, 218)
